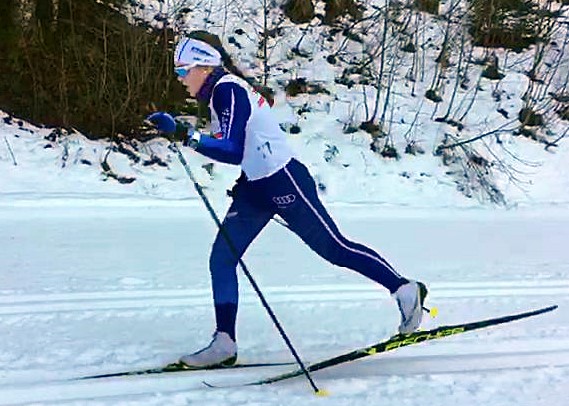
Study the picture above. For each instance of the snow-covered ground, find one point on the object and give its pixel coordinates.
(97, 287)
(98, 276)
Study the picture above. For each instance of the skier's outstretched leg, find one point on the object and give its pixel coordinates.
(308, 218)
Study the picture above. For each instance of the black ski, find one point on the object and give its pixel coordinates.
(397, 341)
(180, 367)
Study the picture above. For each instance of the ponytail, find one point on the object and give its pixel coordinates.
(228, 64)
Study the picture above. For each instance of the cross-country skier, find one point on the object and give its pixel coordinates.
(273, 181)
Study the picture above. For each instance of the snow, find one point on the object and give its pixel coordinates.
(98, 276)
(89, 290)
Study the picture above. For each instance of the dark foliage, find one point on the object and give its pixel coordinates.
(299, 11)
(530, 118)
(512, 24)
(301, 85)
(82, 64)
(334, 9)
(429, 6)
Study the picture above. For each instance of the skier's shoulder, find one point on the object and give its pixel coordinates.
(232, 78)
(231, 91)
(231, 81)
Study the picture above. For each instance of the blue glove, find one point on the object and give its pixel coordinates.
(163, 122)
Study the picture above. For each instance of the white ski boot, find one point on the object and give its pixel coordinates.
(222, 351)
(410, 298)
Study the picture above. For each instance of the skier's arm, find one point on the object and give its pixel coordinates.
(231, 104)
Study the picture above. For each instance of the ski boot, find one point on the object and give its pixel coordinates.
(410, 298)
(222, 351)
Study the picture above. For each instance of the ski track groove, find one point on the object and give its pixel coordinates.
(53, 388)
(57, 391)
(143, 299)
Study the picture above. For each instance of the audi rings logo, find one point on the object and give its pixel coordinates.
(283, 201)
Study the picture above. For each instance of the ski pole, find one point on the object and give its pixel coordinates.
(225, 235)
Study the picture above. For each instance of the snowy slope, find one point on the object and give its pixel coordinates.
(71, 165)
(37, 165)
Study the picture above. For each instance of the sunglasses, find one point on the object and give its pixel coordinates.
(182, 71)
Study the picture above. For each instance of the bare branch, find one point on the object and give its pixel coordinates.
(498, 130)
(11, 152)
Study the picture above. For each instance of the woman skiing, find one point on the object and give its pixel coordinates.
(273, 181)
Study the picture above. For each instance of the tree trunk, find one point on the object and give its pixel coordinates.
(64, 17)
(44, 19)
(8, 27)
(44, 13)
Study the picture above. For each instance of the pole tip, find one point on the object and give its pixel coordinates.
(322, 393)
(434, 312)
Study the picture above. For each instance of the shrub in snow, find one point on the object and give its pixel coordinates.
(530, 118)
(299, 11)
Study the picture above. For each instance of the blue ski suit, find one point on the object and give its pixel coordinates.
(272, 182)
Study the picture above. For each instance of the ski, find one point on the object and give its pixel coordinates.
(395, 342)
(181, 367)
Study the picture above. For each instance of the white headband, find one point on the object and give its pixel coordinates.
(191, 52)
